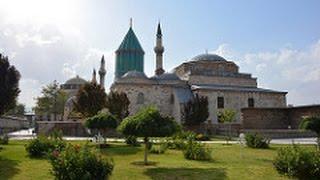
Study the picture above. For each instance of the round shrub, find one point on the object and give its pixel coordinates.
(256, 141)
(43, 145)
(132, 141)
(4, 140)
(196, 151)
(159, 149)
(77, 162)
(298, 162)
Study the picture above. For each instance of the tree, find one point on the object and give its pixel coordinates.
(51, 101)
(17, 110)
(90, 99)
(195, 111)
(147, 123)
(9, 85)
(227, 116)
(312, 124)
(118, 104)
(102, 122)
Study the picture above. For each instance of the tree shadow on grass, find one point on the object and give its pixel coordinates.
(120, 150)
(186, 173)
(8, 168)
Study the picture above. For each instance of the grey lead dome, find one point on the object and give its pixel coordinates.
(208, 57)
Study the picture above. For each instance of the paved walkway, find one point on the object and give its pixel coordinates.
(27, 134)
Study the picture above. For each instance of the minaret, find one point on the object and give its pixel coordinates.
(102, 71)
(159, 49)
(94, 79)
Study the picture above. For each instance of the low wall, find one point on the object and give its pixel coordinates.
(276, 118)
(9, 124)
(68, 128)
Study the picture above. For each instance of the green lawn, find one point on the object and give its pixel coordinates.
(229, 162)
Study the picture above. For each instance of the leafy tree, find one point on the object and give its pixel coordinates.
(312, 124)
(17, 110)
(147, 123)
(90, 99)
(227, 116)
(9, 85)
(102, 122)
(195, 111)
(51, 101)
(118, 104)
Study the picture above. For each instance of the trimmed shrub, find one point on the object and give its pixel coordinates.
(159, 149)
(256, 141)
(202, 137)
(196, 151)
(298, 162)
(132, 141)
(43, 145)
(4, 140)
(77, 162)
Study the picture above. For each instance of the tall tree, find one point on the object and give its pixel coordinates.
(17, 110)
(312, 124)
(90, 99)
(9, 85)
(51, 101)
(147, 123)
(195, 111)
(118, 104)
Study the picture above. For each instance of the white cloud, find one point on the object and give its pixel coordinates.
(294, 70)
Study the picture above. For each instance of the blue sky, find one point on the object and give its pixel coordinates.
(277, 41)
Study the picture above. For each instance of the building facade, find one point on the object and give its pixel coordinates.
(208, 75)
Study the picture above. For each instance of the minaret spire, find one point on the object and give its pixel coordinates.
(102, 71)
(159, 49)
(94, 79)
(130, 23)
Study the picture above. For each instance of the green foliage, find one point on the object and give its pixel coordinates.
(43, 145)
(159, 149)
(195, 111)
(202, 137)
(298, 162)
(311, 123)
(132, 141)
(118, 104)
(226, 116)
(178, 140)
(256, 141)
(148, 123)
(90, 99)
(17, 110)
(77, 162)
(9, 85)
(101, 121)
(4, 140)
(196, 151)
(51, 101)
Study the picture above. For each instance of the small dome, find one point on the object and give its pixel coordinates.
(167, 76)
(135, 74)
(76, 80)
(208, 57)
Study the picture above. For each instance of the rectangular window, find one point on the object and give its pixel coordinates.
(250, 102)
(220, 102)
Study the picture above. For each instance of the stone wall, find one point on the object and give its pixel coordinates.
(236, 100)
(276, 118)
(8, 124)
(220, 80)
(68, 128)
(157, 95)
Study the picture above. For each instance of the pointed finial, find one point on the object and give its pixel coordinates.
(159, 33)
(102, 59)
(130, 22)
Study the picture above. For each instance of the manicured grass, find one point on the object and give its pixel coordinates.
(229, 162)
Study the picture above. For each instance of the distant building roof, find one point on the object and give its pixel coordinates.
(166, 76)
(135, 74)
(76, 80)
(183, 94)
(234, 88)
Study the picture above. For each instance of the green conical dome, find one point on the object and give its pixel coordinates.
(129, 56)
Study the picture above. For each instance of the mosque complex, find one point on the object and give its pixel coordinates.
(206, 74)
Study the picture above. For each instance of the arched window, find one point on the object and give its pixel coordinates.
(172, 99)
(140, 99)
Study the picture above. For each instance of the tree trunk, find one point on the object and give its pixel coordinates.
(146, 141)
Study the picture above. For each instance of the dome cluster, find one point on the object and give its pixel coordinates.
(208, 57)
